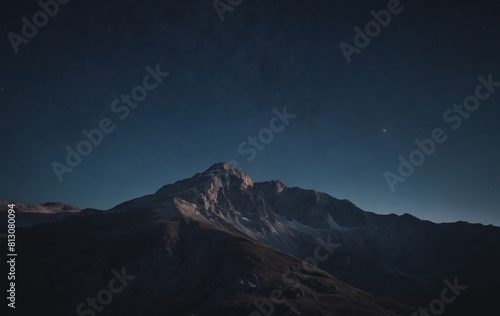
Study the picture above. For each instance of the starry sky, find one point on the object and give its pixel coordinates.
(217, 76)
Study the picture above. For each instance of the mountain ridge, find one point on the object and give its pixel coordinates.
(396, 256)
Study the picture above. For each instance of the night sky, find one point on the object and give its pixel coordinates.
(227, 80)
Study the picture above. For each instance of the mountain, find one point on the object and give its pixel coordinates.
(217, 242)
(29, 215)
(147, 260)
(400, 257)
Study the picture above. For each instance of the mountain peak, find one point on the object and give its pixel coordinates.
(220, 172)
(220, 166)
(222, 169)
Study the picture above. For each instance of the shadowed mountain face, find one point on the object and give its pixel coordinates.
(169, 267)
(218, 243)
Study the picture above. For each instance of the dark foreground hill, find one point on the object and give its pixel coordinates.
(157, 264)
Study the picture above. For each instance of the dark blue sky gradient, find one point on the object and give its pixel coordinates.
(353, 120)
